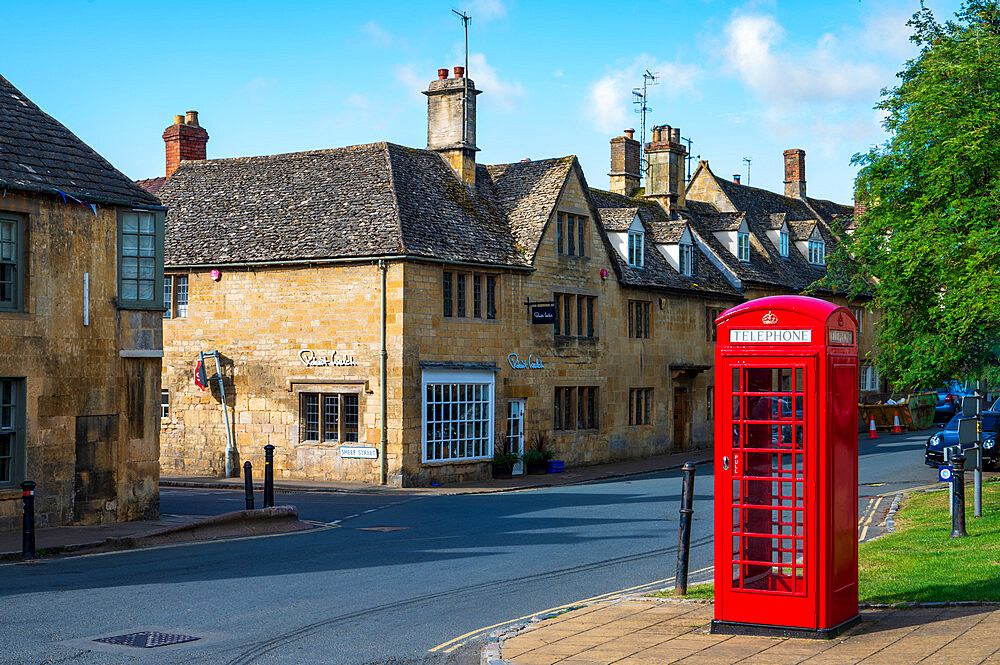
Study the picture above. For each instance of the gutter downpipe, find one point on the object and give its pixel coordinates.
(383, 390)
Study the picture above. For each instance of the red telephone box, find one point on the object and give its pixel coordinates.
(786, 468)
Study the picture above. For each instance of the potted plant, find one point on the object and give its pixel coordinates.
(503, 461)
(537, 454)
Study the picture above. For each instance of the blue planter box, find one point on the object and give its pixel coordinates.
(556, 466)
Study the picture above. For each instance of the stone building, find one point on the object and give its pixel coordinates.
(80, 327)
(391, 314)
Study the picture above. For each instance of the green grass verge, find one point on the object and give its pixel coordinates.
(696, 591)
(921, 562)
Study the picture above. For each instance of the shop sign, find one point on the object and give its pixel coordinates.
(531, 363)
(543, 314)
(359, 452)
(310, 358)
(770, 336)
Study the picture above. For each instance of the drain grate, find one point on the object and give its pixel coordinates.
(147, 639)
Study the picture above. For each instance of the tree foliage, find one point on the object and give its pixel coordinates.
(929, 242)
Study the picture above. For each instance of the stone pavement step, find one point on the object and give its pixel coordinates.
(572, 475)
(647, 631)
(128, 535)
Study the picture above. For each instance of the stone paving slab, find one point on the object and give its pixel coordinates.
(662, 631)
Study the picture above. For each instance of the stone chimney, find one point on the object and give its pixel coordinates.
(625, 164)
(450, 132)
(665, 168)
(185, 139)
(795, 173)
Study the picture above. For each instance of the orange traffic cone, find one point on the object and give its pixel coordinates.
(872, 432)
(896, 429)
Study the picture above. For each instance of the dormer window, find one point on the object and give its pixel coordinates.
(743, 246)
(783, 243)
(635, 249)
(686, 259)
(817, 252)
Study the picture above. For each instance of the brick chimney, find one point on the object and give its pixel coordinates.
(449, 132)
(185, 139)
(665, 171)
(795, 173)
(625, 163)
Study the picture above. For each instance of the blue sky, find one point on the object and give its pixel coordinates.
(741, 79)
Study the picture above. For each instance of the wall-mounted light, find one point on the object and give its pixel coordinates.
(215, 275)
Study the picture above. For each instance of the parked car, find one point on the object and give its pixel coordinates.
(948, 436)
(949, 401)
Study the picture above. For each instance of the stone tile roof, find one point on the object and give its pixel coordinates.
(762, 203)
(378, 199)
(618, 219)
(37, 153)
(657, 272)
(526, 193)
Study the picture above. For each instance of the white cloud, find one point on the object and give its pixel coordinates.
(485, 10)
(506, 95)
(887, 32)
(609, 99)
(412, 82)
(258, 87)
(800, 75)
(376, 33)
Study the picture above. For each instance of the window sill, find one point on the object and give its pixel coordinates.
(9, 493)
(146, 307)
(453, 462)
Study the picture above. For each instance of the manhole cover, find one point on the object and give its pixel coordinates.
(147, 639)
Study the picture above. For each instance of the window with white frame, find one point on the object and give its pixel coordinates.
(457, 408)
(635, 249)
(869, 378)
(783, 243)
(175, 296)
(164, 404)
(859, 314)
(686, 259)
(817, 252)
(743, 246)
(11, 263)
(12, 413)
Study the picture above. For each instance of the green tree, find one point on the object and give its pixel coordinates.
(929, 243)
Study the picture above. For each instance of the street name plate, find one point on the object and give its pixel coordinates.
(770, 336)
(359, 452)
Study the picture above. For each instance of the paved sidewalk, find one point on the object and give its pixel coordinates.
(60, 540)
(573, 475)
(649, 631)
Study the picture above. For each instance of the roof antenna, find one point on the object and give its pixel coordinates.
(466, 19)
(639, 99)
(747, 160)
(688, 158)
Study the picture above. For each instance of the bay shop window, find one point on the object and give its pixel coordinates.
(457, 415)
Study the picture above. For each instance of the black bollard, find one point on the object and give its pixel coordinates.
(248, 483)
(28, 522)
(268, 476)
(684, 534)
(958, 496)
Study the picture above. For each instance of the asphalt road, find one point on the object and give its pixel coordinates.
(418, 580)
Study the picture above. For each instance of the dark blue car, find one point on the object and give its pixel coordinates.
(948, 436)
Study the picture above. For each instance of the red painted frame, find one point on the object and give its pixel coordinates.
(807, 577)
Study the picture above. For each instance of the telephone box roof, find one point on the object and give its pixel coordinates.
(815, 308)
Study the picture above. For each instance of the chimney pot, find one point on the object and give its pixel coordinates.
(675, 135)
(459, 72)
(192, 118)
(443, 73)
(736, 178)
(178, 120)
(630, 133)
